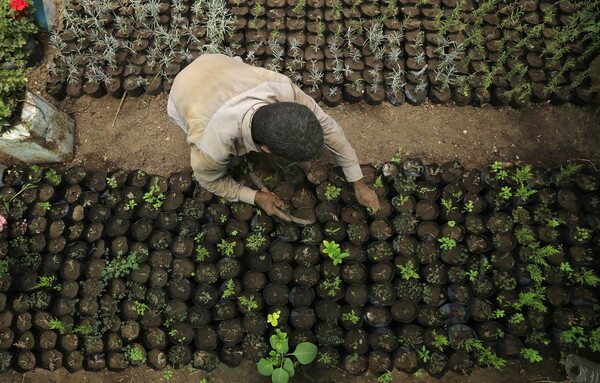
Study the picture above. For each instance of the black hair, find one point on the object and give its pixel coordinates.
(289, 130)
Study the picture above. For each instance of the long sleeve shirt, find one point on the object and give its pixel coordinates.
(214, 99)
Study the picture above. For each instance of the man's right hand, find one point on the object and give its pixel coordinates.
(271, 204)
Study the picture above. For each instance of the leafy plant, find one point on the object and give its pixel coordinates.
(255, 240)
(499, 172)
(385, 378)
(83, 329)
(485, 355)
(351, 317)
(423, 354)
(3, 267)
(226, 248)
(249, 303)
(140, 307)
(408, 271)
(468, 207)
(574, 335)
(498, 314)
(156, 200)
(447, 203)
(229, 289)
(332, 192)
(273, 319)
(332, 249)
(332, 286)
(397, 158)
(112, 182)
(440, 340)
(56, 324)
(135, 354)
(279, 365)
(120, 266)
(531, 355)
(47, 282)
(447, 243)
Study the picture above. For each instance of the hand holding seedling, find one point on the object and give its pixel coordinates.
(271, 204)
(365, 195)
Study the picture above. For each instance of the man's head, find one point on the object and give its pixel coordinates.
(288, 130)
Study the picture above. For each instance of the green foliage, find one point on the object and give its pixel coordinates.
(332, 286)
(156, 200)
(135, 354)
(226, 248)
(566, 172)
(47, 282)
(447, 203)
(52, 176)
(408, 271)
(533, 298)
(46, 205)
(498, 314)
(273, 319)
(447, 243)
(575, 335)
(332, 192)
(505, 192)
(229, 289)
(378, 182)
(14, 32)
(201, 254)
(531, 355)
(112, 182)
(594, 339)
(332, 249)
(498, 170)
(140, 307)
(424, 354)
(250, 303)
(255, 240)
(279, 365)
(3, 267)
(440, 340)
(468, 207)
(582, 234)
(83, 330)
(120, 266)
(385, 378)
(56, 324)
(168, 373)
(516, 318)
(586, 276)
(397, 158)
(130, 205)
(485, 355)
(351, 317)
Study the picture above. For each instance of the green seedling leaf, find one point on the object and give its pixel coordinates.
(280, 376)
(264, 367)
(305, 352)
(278, 345)
(288, 365)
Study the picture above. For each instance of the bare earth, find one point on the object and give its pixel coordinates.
(141, 136)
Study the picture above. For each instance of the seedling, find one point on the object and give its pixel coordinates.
(47, 282)
(140, 307)
(516, 318)
(249, 303)
(332, 192)
(46, 205)
(155, 200)
(468, 207)
(499, 172)
(136, 355)
(332, 286)
(168, 373)
(273, 319)
(447, 243)
(83, 330)
(505, 192)
(3, 267)
(408, 271)
(472, 274)
(255, 241)
(447, 203)
(574, 335)
(201, 254)
(423, 354)
(485, 355)
(130, 205)
(351, 317)
(227, 249)
(440, 341)
(531, 355)
(378, 182)
(112, 182)
(566, 172)
(586, 276)
(229, 289)
(498, 314)
(52, 176)
(279, 365)
(332, 231)
(451, 223)
(120, 266)
(397, 158)
(385, 378)
(582, 234)
(332, 249)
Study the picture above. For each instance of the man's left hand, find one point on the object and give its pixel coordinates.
(366, 196)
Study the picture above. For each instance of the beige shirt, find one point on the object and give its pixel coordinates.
(214, 99)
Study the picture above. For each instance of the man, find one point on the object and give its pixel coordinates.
(228, 108)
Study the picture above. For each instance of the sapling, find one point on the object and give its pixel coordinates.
(439, 340)
(332, 192)
(279, 365)
(229, 289)
(56, 324)
(226, 248)
(351, 317)
(408, 271)
(447, 243)
(424, 354)
(531, 355)
(575, 335)
(332, 249)
(385, 378)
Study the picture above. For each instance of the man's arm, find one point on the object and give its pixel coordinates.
(211, 175)
(338, 145)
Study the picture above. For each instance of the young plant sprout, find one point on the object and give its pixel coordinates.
(332, 249)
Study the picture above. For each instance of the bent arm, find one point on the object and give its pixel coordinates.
(334, 137)
(211, 176)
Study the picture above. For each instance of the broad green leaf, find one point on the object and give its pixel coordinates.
(280, 376)
(288, 365)
(264, 367)
(305, 352)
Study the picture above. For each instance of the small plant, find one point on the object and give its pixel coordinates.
(52, 176)
(227, 249)
(332, 249)
(332, 192)
(378, 182)
(531, 355)
(582, 234)
(3, 267)
(448, 205)
(47, 282)
(575, 335)
(397, 158)
(498, 314)
(279, 365)
(249, 303)
(201, 254)
(440, 341)
(168, 373)
(586, 276)
(424, 354)
(331, 231)
(255, 241)
(499, 172)
(112, 182)
(451, 223)
(485, 355)
(130, 205)
(505, 192)
(516, 318)
(332, 287)
(472, 274)
(385, 378)
(136, 355)
(140, 307)
(120, 266)
(229, 289)
(46, 205)
(351, 317)
(566, 172)
(83, 329)
(155, 200)
(468, 207)
(273, 319)
(447, 243)
(56, 324)
(408, 271)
